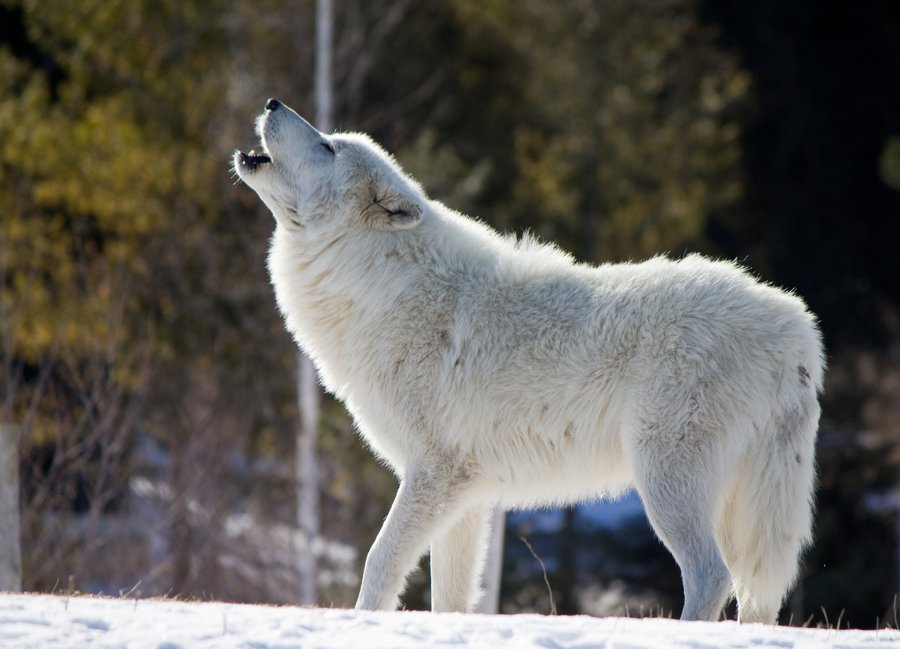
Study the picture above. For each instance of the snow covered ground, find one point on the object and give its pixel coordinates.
(44, 621)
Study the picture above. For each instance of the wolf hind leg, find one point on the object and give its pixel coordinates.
(679, 491)
(685, 529)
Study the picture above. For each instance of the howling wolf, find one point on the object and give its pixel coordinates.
(485, 369)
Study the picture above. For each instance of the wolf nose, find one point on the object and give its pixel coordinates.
(272, 104)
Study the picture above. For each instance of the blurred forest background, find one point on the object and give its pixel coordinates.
(147, 369)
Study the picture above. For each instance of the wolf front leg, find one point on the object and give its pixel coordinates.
(430, 497)
(457, 560)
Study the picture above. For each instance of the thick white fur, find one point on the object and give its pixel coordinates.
(484, 369)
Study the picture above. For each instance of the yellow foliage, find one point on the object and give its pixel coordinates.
(94, 175)
(636, 140)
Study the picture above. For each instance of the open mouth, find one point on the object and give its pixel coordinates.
(253, 160)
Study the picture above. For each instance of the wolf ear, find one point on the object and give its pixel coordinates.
(397, 211)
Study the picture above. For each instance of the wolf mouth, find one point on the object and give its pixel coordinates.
(252, 160)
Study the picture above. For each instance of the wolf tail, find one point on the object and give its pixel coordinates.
(766, 517)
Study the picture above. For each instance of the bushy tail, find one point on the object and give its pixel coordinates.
(766, 519)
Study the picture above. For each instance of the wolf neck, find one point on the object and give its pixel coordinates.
(336, 293)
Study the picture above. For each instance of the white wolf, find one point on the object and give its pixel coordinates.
(487, 370)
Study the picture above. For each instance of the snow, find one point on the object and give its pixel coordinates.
(70, 622)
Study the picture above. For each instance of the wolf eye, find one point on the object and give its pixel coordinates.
(328, 147)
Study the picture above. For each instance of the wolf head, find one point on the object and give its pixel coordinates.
(313, 182)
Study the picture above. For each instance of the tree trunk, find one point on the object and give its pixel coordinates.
(10, 539)
(324, 83)
(567, 604)
(181, 538)
(307, 481)
(493, 566)
(308, 396)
